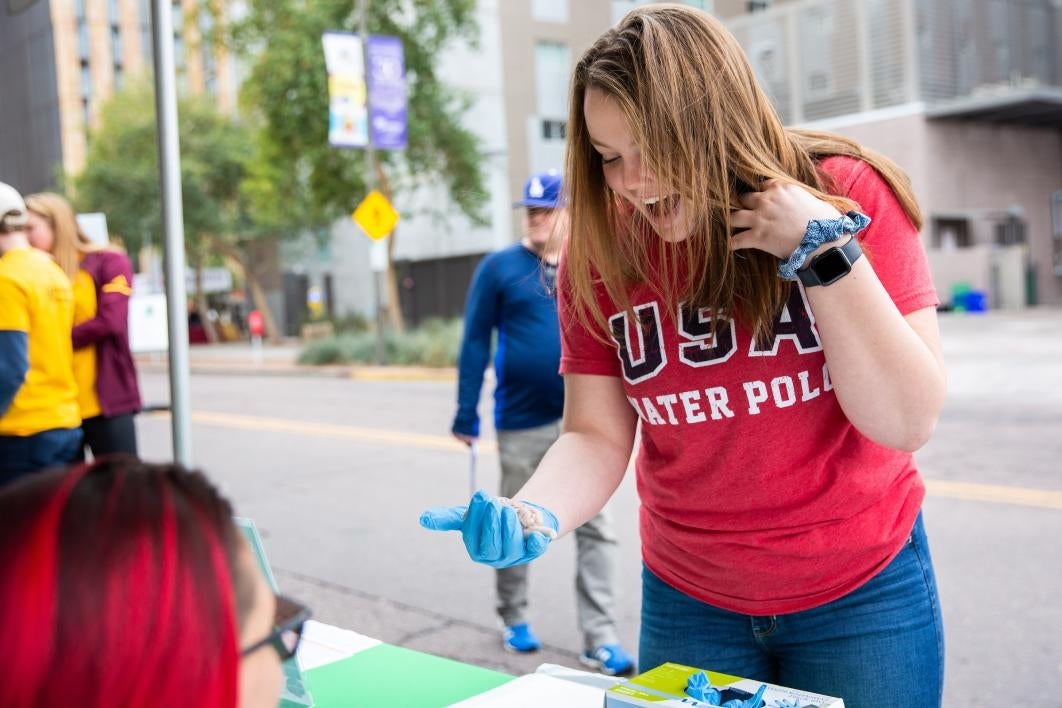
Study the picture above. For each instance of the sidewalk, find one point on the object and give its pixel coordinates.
(241, 359)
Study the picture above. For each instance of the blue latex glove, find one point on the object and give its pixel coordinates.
(492, 531)
(754, 702)
(698, 686)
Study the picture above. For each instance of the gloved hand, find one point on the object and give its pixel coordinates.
(496, 531)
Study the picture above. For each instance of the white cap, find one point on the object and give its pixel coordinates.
(12, 209)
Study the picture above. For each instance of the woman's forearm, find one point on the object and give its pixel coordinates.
(886, 369)
(577, 477)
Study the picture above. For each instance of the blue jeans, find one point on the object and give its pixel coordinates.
(20, 456)
(880, 646)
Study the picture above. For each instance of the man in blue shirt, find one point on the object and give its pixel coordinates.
(512, 291)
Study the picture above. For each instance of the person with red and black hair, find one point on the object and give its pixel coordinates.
(127, 584)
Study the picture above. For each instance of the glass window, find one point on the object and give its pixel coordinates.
(817, 39)
(146, 46)
(83, 45)
(178, 16)
(178, 51)
(552, 67)
(86, 81)
(553, 129)
(999, 42)
(116, 46)
(550, 10)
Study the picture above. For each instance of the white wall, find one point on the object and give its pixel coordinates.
(432, 227)
(999, 272)
(972, 170)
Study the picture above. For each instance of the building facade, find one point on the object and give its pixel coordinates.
(965, 95)
(66, 57)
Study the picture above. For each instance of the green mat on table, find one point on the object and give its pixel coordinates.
(394, 677)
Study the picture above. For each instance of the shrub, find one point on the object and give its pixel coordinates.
(434, 343)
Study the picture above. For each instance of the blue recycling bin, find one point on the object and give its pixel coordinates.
(975, 301)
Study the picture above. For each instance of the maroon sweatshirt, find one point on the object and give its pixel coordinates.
(108, 331)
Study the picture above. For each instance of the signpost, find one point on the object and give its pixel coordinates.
(377, 218)
(172, 226)
(367, 109)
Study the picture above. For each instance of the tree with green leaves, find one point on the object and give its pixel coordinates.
(288, 89)
(121, 179)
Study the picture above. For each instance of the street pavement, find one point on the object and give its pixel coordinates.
(336, 465)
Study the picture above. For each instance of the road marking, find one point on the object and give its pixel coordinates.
(401, 373)
(995, 493)
(967, 491)
(331, 430)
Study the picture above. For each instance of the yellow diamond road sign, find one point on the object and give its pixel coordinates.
(375, 215)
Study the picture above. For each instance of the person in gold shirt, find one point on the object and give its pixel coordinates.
(39, 418)
(108, 393)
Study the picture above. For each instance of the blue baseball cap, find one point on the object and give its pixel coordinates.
(542, 190)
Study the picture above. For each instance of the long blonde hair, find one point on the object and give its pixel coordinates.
(70, 241)
(706, 131)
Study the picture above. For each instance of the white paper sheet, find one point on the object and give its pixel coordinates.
(323, 644)
(537, 691)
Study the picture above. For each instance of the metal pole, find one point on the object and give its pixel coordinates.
(473, 455)
(370, 155)
(172, 227)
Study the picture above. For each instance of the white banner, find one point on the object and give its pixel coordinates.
(348, 111)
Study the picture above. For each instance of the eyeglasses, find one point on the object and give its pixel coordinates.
(287, 629)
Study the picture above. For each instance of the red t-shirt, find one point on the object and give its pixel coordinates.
(757, 494)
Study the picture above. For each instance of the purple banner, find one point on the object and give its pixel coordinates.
(387, 92)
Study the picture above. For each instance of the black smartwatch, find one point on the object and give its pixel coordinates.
(831, 265)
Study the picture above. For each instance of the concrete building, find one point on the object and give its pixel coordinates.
(64, 58)
(965, 95)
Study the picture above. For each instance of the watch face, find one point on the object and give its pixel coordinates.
(831, 266)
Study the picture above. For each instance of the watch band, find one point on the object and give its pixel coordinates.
(831, 265)
(818, 232)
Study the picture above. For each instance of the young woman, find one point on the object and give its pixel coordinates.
(127, 584)
(108, 394)
(759, 299)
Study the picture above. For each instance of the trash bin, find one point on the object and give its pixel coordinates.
(959, 291)
(975, 301)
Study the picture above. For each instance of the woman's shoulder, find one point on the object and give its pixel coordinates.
(844, 170)
(853, 178)
(106, 255)
(105, 264)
